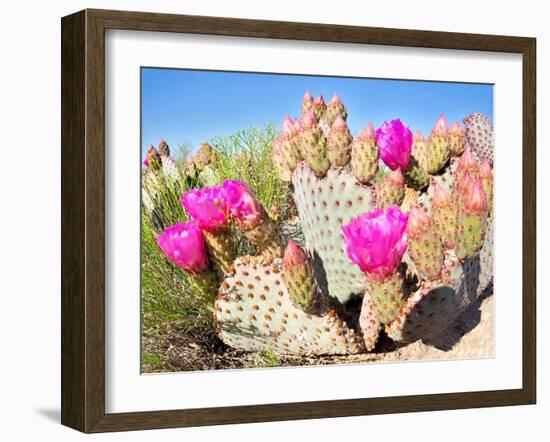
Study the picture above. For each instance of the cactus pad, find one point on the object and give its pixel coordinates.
(479, 136)
(324, 205)
(254, 312)
(436, 304)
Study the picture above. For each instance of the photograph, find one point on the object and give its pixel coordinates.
(301, 220)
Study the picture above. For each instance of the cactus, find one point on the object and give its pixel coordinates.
(479, 136)
(254, 312)
(299, 277)
(438, 146)
(365, 155)
(371, 210)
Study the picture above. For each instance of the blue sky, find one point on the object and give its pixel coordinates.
(185, 106)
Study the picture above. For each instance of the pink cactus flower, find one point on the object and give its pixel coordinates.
(475, 201)
(456, 129)
(394, 141)
(184, 245)
(441, 196)
(376, 241)
(441, 129)
(245, 209)
(208, 207)
(294, 255)
(146, 162)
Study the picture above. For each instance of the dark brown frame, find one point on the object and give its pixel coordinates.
(83, 216)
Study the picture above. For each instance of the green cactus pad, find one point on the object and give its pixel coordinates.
(324, 205)
(301, 286)
(369, 322)
(387, 296)
(415, 176)
(220, 249)
(410, 198)
(389, 195)
(338, 149)
(265, 237)
(479, 136)
(364, 159)
(445, 223)
(436, 304)
(438, 153)
(470, 233)
(254, 312)
(314, 146)
(426, 250)
(457, 144)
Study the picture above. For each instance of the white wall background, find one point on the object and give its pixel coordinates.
(30, 215)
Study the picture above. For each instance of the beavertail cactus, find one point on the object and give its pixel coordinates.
(255, 312)
(314, 144)
(335, 108)
(298, 276)
(338, 143)
(479, 136)
(438, 146)
(376, 242)
(399, 225)
(425, 247)
(365, 155)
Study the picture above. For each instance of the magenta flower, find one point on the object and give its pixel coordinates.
(245, 209)
(184, 245)
(208, 207)
(377, 240)
(394, 141)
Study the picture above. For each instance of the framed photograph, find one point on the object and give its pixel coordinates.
(266, 221)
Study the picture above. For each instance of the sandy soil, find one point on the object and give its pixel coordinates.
(471, 336)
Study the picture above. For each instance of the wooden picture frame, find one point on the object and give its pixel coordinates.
(83, 220)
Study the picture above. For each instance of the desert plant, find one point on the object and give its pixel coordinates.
(401, 221)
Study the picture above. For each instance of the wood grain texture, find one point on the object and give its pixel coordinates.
(83, 220)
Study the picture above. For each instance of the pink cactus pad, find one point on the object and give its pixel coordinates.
(441, 129)
(456, 129)
(294, 255)
(475, 201)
